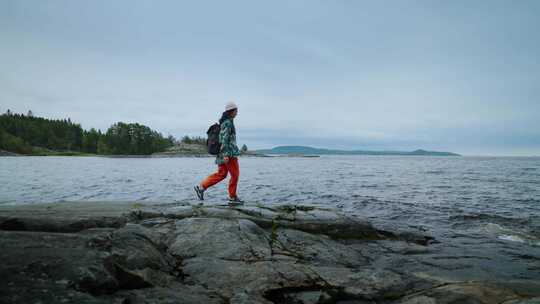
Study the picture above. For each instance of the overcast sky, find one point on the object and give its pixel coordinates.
(461, 76)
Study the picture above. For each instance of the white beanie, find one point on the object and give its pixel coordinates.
(230, 106)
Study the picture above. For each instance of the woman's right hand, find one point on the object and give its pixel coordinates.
(226, 159)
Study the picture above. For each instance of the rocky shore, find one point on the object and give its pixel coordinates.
(7, 153)
(129, 252)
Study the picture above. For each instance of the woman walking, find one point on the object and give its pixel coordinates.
(227, 159)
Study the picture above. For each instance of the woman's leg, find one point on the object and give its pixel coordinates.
(234, 170)
(215, 178)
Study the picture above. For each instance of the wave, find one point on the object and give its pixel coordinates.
(436, 172)
(532, 201)
(506, 234)
(488, 217)
(511, 238)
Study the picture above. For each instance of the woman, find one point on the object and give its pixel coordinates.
(227, 159)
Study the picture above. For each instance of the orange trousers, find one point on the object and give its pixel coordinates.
(230, 167)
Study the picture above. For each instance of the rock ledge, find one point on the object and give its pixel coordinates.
(179, 253)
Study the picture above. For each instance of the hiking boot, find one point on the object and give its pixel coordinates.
(235, 201)
(200, 192)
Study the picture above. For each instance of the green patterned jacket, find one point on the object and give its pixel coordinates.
(228, 142)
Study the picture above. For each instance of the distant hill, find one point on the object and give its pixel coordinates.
(316, 151)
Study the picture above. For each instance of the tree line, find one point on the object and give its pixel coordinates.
(25, 134)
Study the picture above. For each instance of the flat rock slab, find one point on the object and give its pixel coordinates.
(77, 216)
(130, 252)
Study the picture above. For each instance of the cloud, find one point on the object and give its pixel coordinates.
(442, 76)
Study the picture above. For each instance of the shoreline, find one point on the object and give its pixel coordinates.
(111, 252)
(260, 156)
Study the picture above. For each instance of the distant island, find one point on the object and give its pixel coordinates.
(303, 150)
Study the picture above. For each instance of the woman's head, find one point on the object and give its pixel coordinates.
(228, 114)
(232, 113)
(231, 109)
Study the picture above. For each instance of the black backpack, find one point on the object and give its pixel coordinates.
(212, 143)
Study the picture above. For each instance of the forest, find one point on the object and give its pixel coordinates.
(31, 135)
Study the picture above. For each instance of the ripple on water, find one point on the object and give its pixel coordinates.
(435, 172)
(442, 186)
(369, 186)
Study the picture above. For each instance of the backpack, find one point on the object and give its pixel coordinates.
(212, 142)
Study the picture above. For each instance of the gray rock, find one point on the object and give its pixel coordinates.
(403, 247)
(473, 292)
(524, 301)
(316, 249)
(239, 240)
(176, 253)
(420, 300)
(56, 257)
(176, 293)
(368, 283)
(254, 279)
(135, 247)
